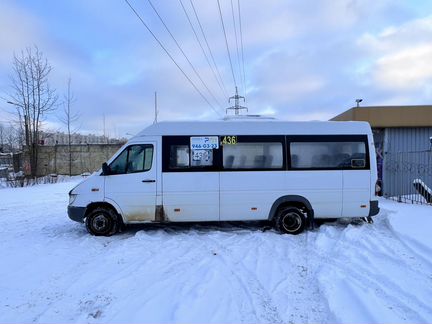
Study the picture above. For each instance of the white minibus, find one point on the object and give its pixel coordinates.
(289, 173)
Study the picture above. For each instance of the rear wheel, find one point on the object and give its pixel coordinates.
(290, 220)
(102, 222)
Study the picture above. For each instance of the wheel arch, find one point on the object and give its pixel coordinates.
(103, 204)
(292, 200)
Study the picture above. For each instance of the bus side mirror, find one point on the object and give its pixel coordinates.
(106, 170)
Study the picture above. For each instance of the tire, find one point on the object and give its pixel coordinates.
(102, 222)
(290, 220)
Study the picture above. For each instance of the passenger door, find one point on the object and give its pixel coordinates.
(190, 178)
(132, 182)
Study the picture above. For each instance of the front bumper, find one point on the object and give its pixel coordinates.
(77, 214)
(374, 209)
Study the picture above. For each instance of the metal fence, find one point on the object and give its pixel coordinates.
(407, 176)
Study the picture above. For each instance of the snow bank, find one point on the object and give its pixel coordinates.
(17, 180)
(412, 224)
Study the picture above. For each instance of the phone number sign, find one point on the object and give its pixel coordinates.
(204, 143)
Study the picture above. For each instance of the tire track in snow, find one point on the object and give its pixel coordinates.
(260, 303)
(340, 259)
(361, 280)
(96, 297)
(184, 267)
(301, 299)
(407, 242)
(412, 266)
(61, 296)
(396, 251)
(301, 289)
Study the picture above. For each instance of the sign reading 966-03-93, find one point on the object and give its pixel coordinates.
(204, 142)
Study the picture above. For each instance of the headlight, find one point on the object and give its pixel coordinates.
(72, 198)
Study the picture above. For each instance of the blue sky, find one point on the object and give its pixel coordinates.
(304, 60)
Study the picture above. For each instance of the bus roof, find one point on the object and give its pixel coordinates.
(255, 127)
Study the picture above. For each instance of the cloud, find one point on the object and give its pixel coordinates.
(401, 56)
(19, 29)
(406, 69)
(343, 14)
(285, 77)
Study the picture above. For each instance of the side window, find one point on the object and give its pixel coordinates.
(179, 156)
(148, 157)
(253, 155)
(134, 158)
(328, 155)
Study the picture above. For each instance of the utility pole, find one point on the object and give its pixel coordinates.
(236, 106)
(104, 130)
(155, 108)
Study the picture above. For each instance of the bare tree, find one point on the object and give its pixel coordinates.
(9, 138)
(16, 137)
(2, 137)
(32, 97)
(13, 136)
(69, 118)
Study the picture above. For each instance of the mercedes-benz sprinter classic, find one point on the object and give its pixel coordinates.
(289, 173)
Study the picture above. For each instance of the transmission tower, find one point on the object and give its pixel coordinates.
(236, 106)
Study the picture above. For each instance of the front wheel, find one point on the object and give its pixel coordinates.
(102, 222)
(290, 220)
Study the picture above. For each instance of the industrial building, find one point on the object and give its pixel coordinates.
(403, 142)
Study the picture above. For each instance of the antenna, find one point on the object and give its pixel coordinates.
(236, 106)
(155, 108)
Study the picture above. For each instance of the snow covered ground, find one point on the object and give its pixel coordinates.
(51, 270)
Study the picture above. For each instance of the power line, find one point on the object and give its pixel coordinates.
(184, 54)
(202, 49)
(241, 43)
(170, 56)
(208, 46)
(226, 43)
(236, 41)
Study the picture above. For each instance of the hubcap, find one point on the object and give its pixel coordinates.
(100, 223)
(291, 222)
